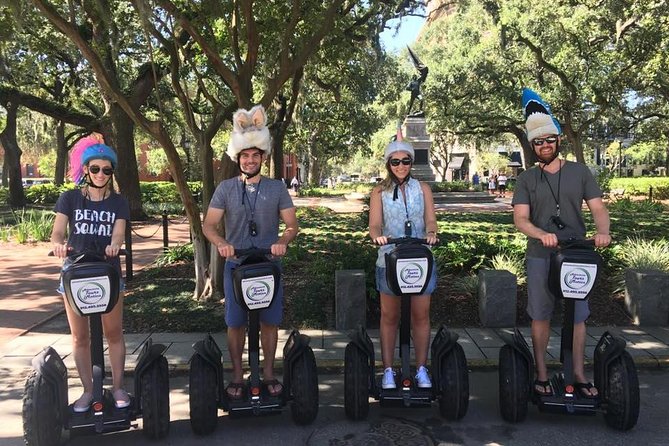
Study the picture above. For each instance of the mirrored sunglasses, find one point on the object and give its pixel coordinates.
(547, 140)
(396, 162)
(96, 169)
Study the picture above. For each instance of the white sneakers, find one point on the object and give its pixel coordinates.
(388, 381)
(422, 379)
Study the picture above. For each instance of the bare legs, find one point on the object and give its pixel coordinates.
(268, 339)
(420, 327)
(540, 337)
(112, 324)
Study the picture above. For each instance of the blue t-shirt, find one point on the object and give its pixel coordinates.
(90, 223)
(259, 202)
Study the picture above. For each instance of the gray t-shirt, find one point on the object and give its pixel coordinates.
(260, 202)
(572, 184)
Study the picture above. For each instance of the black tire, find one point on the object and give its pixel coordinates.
(356, 383)
(42, 414)
(514, 384)
(155, 394)
(454, 376)
(304, 387)
(622, 408)
(203, 396)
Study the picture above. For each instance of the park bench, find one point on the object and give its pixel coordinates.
(617, 193)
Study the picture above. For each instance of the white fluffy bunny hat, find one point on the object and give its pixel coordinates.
(249, 129)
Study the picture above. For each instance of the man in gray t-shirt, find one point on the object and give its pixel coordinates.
(547, 206)
(251, 207)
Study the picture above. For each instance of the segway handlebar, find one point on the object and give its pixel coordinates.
(407, 240)
(252, 251)
(576, 243)
(121, 252)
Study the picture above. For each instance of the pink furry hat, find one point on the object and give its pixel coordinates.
(76, 167)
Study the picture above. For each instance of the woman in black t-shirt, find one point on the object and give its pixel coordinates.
(94, 215)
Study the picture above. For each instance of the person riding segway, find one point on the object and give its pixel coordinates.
(251, 207)
(92, 289)
(409, 265)
(547, 208)
(256, 283)
(573, 272)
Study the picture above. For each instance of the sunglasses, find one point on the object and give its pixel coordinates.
(547, 140)
(96, 169)
(396, 162)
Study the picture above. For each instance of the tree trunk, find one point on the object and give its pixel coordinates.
(527, 154)
(128, 173)
(61, 154)
(13, 157)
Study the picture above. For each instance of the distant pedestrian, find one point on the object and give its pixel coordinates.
(295, 183)
(501, 184)
(476, 180)
(492, 185)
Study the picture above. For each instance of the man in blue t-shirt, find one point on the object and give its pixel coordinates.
(251, 207)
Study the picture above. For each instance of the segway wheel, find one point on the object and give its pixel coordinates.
(155, 389)
(514, 384)
(203, 391)
(454, 376)
(42, 416)
(304, 387)
(622, 409)
(356, 383)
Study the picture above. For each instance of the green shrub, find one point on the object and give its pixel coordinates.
(32, 225)
(45, 193)
(512, 263)
(641, 185)
(639, 253)
(628, 205)
(451, 186)
(179, 253)
(467, 285)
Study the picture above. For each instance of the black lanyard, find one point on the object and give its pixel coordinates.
(255, 200)
(556, 198)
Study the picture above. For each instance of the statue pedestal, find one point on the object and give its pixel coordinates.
(415, 130)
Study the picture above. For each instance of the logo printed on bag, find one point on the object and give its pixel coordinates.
(91, 293)
(258, 291)
(577, 278)
(411, 273)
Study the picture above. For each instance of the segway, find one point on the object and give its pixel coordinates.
(92, 289)
(256, 281)
(408, 269)
(573, 271)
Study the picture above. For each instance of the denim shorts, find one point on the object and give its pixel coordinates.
(540, 301)
(382, 283)
(236, 314)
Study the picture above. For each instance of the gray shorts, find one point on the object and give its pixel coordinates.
(540, 301)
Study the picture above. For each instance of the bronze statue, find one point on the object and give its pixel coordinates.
(415, 84)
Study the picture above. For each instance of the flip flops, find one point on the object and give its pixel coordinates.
(274, 383)
(581, 388)
(544, 385)
(235, 391)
